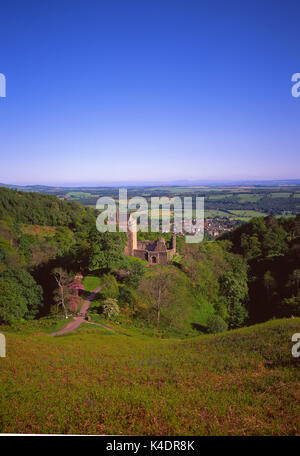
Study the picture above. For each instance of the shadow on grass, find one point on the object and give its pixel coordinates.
(85, 294)
(200, 328)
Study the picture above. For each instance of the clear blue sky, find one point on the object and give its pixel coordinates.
(120, 90)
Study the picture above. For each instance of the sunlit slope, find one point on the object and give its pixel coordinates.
(242, 382)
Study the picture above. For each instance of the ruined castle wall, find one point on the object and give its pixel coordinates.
(141, 253)
(163, 257)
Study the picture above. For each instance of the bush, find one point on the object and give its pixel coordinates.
(110, 308)
(216, 324)
(110, 288)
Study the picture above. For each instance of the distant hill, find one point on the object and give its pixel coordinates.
(40, 209)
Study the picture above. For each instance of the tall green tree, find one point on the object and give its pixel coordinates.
(20, 296)
(167, 293)
(105, 251)
(234, 288)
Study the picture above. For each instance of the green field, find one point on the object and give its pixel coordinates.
(80, 195)
(218, 197)
(245, 215)
(280, 195)
(92, 381)
(236, 214)
(213, 213)
(249, 197)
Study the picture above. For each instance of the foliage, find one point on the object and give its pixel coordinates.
(20, 296)
(9, 256)
(235, 290)
(110, 288)
(110, 308)
(167, 296)
(129, 301)
(12, 303)
(38, 209)
(250, 246)
(135, 269)
(219, 281)
(105, 251)
(290, 307)
(271, 248)
(216, 324)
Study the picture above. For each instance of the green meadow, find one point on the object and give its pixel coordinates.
(249, 197)
(93, 381)
(245, 214)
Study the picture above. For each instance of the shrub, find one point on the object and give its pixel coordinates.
(110, 308)
(216, 324)
(110, 288)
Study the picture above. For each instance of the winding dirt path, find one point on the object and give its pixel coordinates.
(79, 320)
(98, 324)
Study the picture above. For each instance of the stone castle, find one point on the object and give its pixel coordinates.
(155, 252)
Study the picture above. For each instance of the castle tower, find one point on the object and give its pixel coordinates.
(132, 236)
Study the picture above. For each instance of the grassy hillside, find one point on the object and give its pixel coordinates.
(243, 382)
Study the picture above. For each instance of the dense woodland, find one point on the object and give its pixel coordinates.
(248, 275)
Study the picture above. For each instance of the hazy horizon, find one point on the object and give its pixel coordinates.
(166, 183)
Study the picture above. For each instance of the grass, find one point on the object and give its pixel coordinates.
(91, 282)
(45, 325)
(92, 381)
